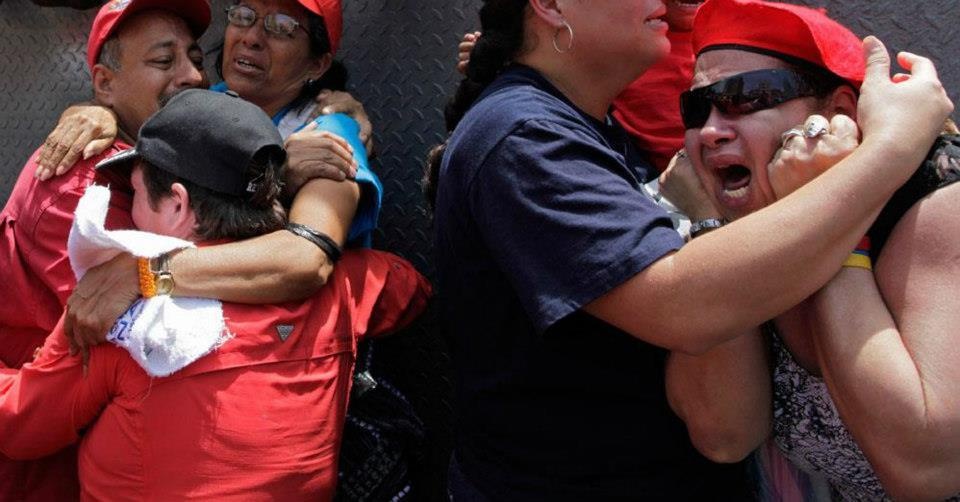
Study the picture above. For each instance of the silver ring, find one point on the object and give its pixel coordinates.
(796, 131)
(816, 126)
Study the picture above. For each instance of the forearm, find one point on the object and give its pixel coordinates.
(889, 389)
(756, 267)
(276, 267)
(723, 396)
(272, 268)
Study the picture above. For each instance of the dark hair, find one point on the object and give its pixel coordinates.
(221, 216)
(335, 78)
(501, 22)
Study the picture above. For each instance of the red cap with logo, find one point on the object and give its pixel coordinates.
(332, 16)
(195, 12)
(779, 28)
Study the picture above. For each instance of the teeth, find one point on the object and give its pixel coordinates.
(735, 194)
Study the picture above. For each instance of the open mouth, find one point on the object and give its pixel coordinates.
(734, 179)
(656, 19)
(246, 64)
(689, 6)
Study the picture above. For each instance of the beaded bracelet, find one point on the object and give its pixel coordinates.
(148, 288)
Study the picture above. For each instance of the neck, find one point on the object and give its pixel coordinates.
(273, 106)
(589, 84)
(126, 137)
(124, 126)
(271, 109)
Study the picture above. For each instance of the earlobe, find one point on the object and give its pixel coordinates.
(180, 196)
(182, 216)
(103, 84)
(321, 65)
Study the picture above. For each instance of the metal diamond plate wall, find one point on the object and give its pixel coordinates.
(401, 55)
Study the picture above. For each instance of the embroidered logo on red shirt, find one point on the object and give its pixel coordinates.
(284, 331)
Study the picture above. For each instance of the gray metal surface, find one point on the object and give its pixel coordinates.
(401, 56)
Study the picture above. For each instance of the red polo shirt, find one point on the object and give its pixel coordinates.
(649, 109)
(261, 418)
(35, 281)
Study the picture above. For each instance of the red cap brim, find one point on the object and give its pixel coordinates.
(195, 12)
(781, 28)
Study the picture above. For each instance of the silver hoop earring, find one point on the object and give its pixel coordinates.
(556, 46)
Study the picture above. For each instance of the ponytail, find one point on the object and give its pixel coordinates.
(501, 24)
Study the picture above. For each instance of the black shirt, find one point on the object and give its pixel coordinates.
(540, 211)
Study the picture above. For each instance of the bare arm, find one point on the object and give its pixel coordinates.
(276, 267)
(893, 374)
(272, 268)
(745, 273)
(723, 396)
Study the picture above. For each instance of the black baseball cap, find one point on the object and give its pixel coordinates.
(208, 138)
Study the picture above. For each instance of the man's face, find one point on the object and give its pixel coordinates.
(731, 152)
(145, 216)
(158, 58)
(167, 216)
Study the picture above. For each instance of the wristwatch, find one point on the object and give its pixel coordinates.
(162, 277)
(707, 224)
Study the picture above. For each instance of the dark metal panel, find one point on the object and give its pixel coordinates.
(401, 56)
(42, 67)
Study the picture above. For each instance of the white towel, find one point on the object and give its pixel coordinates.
(163, 334)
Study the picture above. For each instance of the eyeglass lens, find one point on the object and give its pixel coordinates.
(275, 24)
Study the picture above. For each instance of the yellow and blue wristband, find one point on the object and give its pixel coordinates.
(860, 257)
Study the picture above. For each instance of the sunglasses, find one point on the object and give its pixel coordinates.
(280, 25)
(746, 93)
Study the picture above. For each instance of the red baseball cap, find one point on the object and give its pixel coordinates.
(195, 12)
(332, 15)
(782, 29)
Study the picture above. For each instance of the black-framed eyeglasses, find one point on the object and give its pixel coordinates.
(746, 93)
(280, 25)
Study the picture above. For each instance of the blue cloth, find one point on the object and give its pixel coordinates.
(539, 212)
(365, 220)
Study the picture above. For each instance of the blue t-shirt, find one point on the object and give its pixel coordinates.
(371, 190)
(539, 212)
